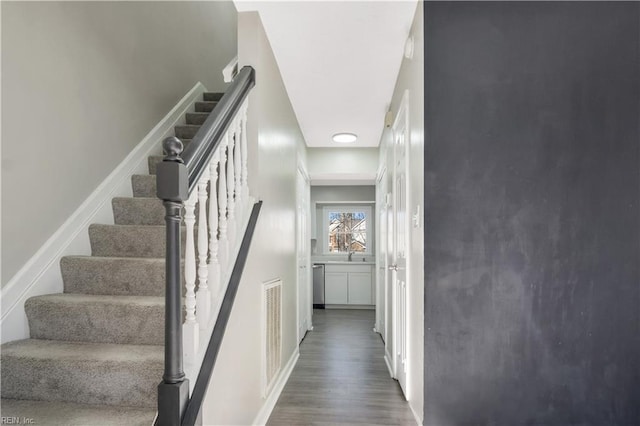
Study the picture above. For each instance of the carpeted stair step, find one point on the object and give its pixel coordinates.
(186, 131)
(138, 211)
(144, 185)
(83, 373)
(197, 118)
(154, 160)
(206, 106)
(212, 96)
(70, 414)
(116, 276)
(128, 240)
(132, 320)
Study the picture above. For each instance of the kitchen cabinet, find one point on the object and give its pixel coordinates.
(348, 284)
(335, 288)
(359, 288)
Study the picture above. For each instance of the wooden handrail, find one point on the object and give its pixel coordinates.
(198, 154)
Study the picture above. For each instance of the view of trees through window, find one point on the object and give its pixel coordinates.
(347, 232)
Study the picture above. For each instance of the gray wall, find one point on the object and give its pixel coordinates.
(82, 83)
(532, 239)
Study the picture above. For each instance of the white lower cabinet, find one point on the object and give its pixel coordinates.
(348, 285)
(335, 288)
(359, 288)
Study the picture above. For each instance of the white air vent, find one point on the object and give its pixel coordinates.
(271, 333)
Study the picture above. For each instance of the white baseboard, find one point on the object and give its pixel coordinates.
(366, 307)
(416, 416)
(270, 402)
(387, 360)
(41, 274)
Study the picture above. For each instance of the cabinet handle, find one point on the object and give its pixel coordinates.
(393, 267)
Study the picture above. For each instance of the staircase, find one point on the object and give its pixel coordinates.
(95, 356)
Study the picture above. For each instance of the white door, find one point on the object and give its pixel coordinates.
(389, 278)
(302, 233)
(400, 232)
(381, 273)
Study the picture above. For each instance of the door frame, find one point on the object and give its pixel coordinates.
(301, 174)
(381, 251)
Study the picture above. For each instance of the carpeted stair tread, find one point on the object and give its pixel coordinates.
(153, 162)
(128, 240)
(137, 211)
(135, 320)
(85, 373)
(117, 276)
(197, 118)
(186, 131)
(205, 106)
(70, 414)
(212, 96)
(144, 185)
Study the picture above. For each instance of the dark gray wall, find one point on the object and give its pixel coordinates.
(532, 195)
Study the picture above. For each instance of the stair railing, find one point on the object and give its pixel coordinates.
(209, 180)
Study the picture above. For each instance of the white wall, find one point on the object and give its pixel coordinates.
(343, 166)
(234, 397)
(411, 77)
(82, 83)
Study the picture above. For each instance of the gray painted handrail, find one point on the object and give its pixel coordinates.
(199, 152)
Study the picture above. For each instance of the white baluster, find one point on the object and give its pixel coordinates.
(190, 326)
(203, 296)
(222, 205)
(231, 205)
(237, 172)
(245, 156)
(214, 264)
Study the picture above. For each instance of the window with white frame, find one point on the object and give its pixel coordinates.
(346, 229)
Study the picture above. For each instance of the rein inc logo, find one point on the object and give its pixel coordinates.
(16, 421)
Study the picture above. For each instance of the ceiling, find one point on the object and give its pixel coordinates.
(339, 61)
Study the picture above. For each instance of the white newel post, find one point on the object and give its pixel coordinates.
(222, 203)
(230, 187)
(190, 326)
(203, 296)
(214, 264)
(245, 155)
(237, 168)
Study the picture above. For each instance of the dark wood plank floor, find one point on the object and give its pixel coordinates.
(341, 377)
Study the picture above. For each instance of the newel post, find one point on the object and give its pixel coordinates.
(173, 189)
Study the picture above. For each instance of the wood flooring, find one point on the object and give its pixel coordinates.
(341, 377)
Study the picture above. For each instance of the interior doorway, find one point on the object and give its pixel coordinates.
(305, 302)
(393, 265)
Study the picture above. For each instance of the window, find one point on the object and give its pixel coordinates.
(347, 229)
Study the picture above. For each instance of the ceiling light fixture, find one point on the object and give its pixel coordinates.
(345, 137)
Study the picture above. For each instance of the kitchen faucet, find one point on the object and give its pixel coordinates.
(349, 257)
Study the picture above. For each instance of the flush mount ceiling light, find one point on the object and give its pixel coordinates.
(345, 137)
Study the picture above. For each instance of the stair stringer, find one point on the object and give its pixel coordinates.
(41, 273)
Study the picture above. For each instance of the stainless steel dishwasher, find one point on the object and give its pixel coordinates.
(318, 286)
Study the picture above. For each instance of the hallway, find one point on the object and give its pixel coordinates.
(341, 376)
